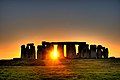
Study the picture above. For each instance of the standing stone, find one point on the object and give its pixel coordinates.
(23, 52)
(99, 52)
(86, 51)
(48, 49)
(93, 51)
(39, 52)
(30, 51)
(60, 49)
(44, 50)
(105, 53)
(80, 50)
(27, 52)
(70, 51)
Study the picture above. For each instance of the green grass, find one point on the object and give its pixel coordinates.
(83, 69)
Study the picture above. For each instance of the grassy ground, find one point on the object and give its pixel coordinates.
(83, 69)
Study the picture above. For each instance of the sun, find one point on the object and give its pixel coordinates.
(54, 54)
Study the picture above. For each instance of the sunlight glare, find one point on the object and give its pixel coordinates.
(54, 54)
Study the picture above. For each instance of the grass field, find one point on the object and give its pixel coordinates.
(83, 69)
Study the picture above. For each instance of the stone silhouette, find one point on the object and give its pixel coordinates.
(28, 52)
(95, 52)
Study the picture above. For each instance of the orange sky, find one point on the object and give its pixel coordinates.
(12, 50)
(25, 21)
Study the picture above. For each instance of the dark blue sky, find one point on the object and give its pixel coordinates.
(36, 20)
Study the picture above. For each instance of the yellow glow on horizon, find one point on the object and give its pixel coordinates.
(12, 50)
(54, 54)
(65, 50)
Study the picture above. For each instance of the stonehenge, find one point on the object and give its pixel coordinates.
(84, 50)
